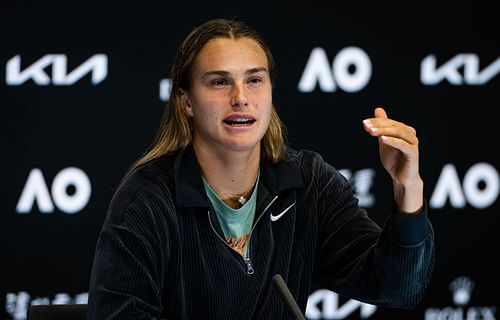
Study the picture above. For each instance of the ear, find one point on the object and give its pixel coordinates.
(186, 103)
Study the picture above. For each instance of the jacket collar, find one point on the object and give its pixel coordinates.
(190, 191)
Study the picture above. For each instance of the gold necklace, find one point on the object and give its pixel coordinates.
(242, 199)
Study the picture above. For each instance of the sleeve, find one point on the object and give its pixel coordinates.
(130, 259)
(389, 267)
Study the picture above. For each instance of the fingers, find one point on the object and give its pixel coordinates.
(409, 149)
(380, 113)
(383, 126)
(397, 130)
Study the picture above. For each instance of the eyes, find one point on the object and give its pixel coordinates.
(219, 83)
(222, 82)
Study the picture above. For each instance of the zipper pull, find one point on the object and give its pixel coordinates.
(250, 269)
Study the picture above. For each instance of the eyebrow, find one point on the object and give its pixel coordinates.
(226, 73)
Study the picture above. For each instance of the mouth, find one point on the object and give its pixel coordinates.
(238, 120)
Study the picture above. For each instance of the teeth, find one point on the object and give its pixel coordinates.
(239, 121)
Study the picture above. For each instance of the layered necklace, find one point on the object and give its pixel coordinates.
(241, 198)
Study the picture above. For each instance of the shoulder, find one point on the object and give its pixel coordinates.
(314, 168)
(149, 183)
(308, 159)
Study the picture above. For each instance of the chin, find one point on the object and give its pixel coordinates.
(244, 145)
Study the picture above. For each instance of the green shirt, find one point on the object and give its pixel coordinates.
(235, 223)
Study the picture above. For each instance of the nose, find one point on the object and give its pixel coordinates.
(238, 96)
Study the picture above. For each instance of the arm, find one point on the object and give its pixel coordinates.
(355, 258)
(389, 267)
(398, 148)
(127, 276)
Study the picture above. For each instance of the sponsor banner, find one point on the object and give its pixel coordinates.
(83, 101)
(15, 75)
(461, 308)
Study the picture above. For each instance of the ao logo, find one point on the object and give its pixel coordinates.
(319, 71)
(36, 189)
(431, 75)
(331, 309)
(97, 65)
(480, 187)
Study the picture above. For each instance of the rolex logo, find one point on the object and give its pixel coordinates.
(461, 289)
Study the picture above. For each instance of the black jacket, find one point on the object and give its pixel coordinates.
(161, 252)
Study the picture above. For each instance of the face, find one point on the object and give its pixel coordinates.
(230, 98)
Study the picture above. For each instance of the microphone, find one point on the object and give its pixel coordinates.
(287, 297)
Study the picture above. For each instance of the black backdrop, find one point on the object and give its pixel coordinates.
(68, 135)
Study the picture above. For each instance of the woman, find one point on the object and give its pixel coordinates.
(219, 204)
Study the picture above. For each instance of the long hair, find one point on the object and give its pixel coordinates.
(176, 128)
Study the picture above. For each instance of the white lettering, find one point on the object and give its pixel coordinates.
(352, 81)
(319, 72)
(97, 65)
(481, 187)
(481, 197)
(431, 75)
(449, 313)
(62, 298)
(448, 185)
(165, 89)
(16, 305)
(15, 77)
(362, 181)
(71, 203)
(330, 306)
(36, 189)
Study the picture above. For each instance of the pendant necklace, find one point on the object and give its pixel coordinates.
(242, 198)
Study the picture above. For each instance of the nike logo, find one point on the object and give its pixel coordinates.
(276, 218)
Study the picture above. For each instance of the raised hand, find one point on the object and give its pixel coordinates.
(399, 154)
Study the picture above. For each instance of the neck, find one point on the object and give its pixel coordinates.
(231, 172)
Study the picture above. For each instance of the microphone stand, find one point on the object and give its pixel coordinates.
(287, 297)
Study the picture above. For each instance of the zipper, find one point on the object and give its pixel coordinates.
(249, 263)
(247, 260)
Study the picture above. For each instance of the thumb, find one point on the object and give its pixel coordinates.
(380, 113)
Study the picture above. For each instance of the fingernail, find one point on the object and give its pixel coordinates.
(384, 138)
(368, 123)
(373, 129)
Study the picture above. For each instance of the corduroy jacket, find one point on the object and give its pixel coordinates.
(162, 255)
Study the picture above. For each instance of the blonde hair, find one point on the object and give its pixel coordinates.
(176, 128)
